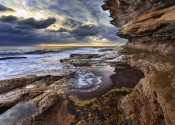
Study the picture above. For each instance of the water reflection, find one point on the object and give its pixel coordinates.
(17, 113)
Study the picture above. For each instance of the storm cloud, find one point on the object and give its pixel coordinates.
(8, 19)
(54, 22)
(4, 8)
(29, 22)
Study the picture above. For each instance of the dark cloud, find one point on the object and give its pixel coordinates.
(72, 23)
(8, 19)
(3, 8)
(32, 23)
(20, 37)
(83, 31)
(86, 30)
(28, 23)
(15, 36)
(83, 21)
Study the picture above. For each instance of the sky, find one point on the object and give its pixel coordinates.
(56, 23)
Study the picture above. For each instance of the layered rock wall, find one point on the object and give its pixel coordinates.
(149, 26)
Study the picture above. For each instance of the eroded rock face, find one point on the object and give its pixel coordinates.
(147, 24)
(34, 100)
(152, 100)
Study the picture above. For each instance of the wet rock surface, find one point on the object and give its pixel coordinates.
(88, 94)
(28, 97)
(84, 56)
(17, 113)
(104, 72)
(126, 76)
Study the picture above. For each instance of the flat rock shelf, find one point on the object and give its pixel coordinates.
(86, 94)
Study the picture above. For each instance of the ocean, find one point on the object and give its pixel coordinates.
(36, 60)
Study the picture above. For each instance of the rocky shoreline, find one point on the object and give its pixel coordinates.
(133, 86)
(65, 100)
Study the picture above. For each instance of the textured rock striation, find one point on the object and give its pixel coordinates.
(149, 26)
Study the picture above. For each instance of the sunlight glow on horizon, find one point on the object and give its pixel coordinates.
(78, 44)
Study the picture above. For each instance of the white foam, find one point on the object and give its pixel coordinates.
(118, 59)
(85, 80)
(36, 64)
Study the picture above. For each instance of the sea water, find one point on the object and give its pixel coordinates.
(38, 61)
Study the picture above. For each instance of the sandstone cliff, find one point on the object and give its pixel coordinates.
(149, 26)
